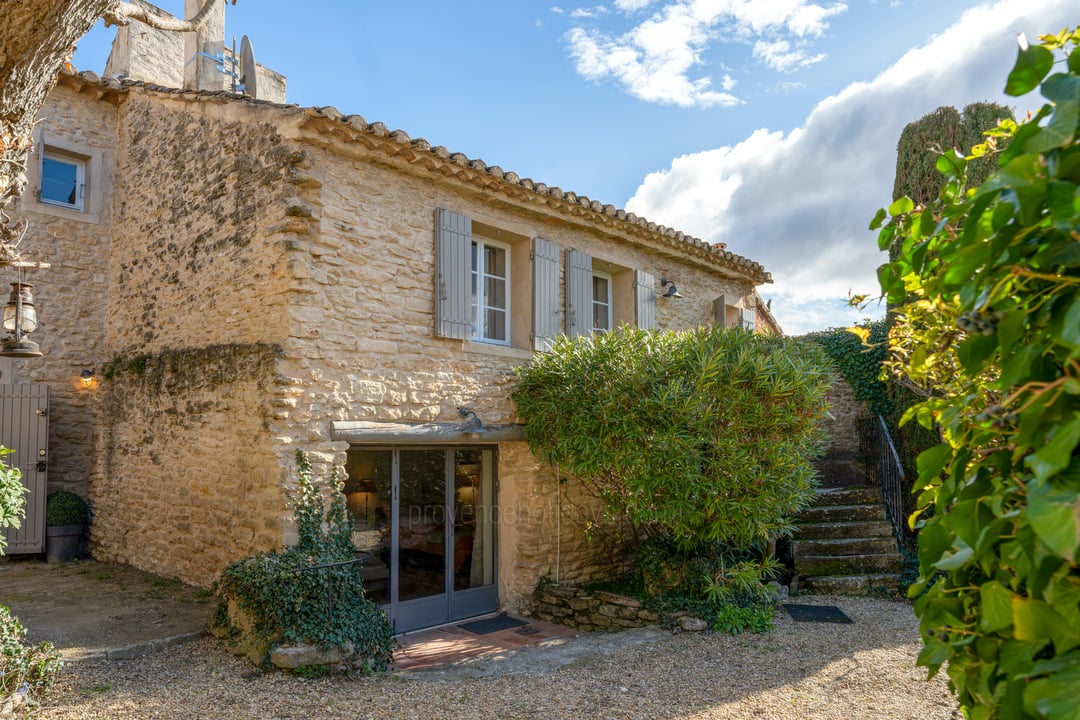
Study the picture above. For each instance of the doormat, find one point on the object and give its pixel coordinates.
(817, 613)
(492, 624)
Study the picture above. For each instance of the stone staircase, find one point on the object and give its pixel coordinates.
(844, 544)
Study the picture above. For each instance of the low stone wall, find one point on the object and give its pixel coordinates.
(585, 611)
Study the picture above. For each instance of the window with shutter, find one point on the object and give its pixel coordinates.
(547, 305)
(490, 291)
(579, 293)
(749, 318)
(453, 275)
(644, 299)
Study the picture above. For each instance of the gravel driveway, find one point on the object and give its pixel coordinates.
(801, 670)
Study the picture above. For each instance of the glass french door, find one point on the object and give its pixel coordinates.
(423, 529)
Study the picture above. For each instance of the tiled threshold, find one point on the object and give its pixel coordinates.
(450, 644)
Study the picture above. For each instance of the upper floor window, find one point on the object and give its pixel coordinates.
(601, 315)
(63, 179)
(490, 291)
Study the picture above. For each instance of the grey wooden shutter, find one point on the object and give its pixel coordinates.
(644, 299)
(719, 309)
(749, 318)
(579, 297)
(546, 305)
(453, 275)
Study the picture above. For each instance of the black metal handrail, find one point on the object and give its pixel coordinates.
(883, 469)
(329, 582)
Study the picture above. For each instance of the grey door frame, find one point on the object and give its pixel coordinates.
(450, 605)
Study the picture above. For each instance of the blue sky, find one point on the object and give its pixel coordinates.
(770, 125)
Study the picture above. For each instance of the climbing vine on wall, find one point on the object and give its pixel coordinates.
(859, 361)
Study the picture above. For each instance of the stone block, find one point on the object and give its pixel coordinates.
(648, 616)
(609, 610)
(692, 624)
(628, 613)
(600, 621)
(290, 657)
(613, 599)
(579, 604)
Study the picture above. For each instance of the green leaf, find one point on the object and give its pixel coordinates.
(1032, 65)
(996, 605)
(1054, 514)
(879, 218)
(1054, 697)
(901, 206)
(1070, 328)
(1057, 453)
(958, 558)
(1035, 620)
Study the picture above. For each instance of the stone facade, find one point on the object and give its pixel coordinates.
(258, 273)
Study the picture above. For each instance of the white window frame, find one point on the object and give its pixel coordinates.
(605, 303)
(481, 333)
(76, 161)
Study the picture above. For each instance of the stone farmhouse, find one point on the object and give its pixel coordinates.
(234, 279)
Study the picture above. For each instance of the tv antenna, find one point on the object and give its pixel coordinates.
(248, 80)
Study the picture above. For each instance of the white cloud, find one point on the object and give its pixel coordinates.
(629, 6)
(779, 56)
(656, 60)
(800, 202)
(593, 12)
(557, 10)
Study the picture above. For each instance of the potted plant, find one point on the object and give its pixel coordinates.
(66, 515)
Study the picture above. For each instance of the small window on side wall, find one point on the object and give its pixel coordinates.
(63, 180)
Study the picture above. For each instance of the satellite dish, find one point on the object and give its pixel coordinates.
(248, 73)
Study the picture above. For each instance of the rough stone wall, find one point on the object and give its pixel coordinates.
(189, 474)
(187, 479)
(70, 297)
(362, 344)
(589, 612)
(842, 427)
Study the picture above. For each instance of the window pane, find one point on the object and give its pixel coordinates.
(495, 293)
(367, 497)
(496, 324)
(421, 524)
(59, 182)
(600, 289)
(474, 551)
(495, 261)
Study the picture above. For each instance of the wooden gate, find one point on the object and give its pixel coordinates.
(24, 428)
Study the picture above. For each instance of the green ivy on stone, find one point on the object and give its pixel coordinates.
(287, 604)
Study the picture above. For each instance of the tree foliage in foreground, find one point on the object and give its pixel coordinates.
(12, 496)
(987, 287)
(701, 436)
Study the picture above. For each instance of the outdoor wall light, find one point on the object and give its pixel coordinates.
(672, 291)
(20, 319)
(86, 377)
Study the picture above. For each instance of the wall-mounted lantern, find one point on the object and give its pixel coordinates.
(86, 377)
(20, 319)
(671, 291)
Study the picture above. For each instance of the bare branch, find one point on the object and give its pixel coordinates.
(125, 12)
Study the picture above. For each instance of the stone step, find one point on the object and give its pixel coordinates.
(815, 565)
(833, 547)
(837, 530)
(848, 495)
(874, 584)
(841, 513)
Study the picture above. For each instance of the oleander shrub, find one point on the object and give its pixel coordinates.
(281, 603)
(704, 440)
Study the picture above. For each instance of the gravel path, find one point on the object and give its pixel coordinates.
(801, 670)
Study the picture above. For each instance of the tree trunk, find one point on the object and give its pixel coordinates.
(38, 36)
